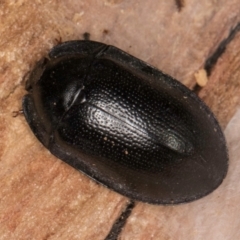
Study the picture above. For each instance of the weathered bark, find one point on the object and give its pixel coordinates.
(43, 198)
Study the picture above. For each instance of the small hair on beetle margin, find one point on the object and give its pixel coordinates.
(58, 40)
(17, 113)
(180, 4)
(86, 36)
(105, 31)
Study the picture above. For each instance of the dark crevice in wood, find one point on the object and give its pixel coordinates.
(120, 222)
(212, 60)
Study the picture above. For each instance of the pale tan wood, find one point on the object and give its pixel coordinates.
(223, 90)
(43, 198)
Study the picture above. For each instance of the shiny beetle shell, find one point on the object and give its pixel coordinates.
(125, 124)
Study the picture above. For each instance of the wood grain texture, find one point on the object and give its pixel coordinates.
(43, 198)
(223, 90)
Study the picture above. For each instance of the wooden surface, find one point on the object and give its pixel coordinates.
(42, 197)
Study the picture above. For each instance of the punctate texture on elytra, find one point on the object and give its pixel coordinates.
(125, 124)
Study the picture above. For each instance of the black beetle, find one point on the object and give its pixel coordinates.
(125, 124)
